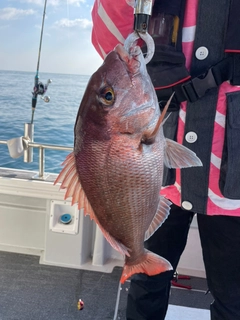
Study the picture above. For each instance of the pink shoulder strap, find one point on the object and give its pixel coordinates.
(112, 23)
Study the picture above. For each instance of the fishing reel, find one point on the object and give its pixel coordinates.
(40, 89)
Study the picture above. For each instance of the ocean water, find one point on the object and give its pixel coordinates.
(53, 121)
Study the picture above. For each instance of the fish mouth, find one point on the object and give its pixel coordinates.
(134, 60)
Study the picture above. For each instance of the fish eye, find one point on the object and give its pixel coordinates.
(107, 96)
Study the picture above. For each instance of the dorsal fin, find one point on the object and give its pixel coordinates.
(160, 216)
(69, 180)
(149, 137)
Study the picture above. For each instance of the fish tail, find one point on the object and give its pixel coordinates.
(150, 264)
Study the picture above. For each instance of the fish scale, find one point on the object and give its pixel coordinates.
(118, 159)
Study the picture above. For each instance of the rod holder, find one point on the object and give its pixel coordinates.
(41, 163)
(28, 137)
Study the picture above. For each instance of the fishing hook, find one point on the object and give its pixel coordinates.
(142, 14)
(132, 39)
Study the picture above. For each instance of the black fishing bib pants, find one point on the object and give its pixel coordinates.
(148, 296)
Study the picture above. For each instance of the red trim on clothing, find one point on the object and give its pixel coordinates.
(173, 84)
(230, 50)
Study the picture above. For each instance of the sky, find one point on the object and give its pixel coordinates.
(66, 43)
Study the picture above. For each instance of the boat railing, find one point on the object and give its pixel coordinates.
(41, 156)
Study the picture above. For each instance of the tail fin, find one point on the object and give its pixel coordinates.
(151, 264)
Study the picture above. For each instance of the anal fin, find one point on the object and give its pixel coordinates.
(160, 216)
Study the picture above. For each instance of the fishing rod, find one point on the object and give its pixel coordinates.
(39, 87)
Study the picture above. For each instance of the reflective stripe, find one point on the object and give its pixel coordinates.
(182, 115)
(109, 24)
(223, 203)
(220, 119)
(102, 51)
(188, 34)
(216, 161)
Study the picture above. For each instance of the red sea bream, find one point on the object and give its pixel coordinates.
(115, 171)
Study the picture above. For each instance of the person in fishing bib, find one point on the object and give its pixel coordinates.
(197, 56)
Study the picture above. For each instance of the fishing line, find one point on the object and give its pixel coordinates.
(71, 82)
(38, 87)
(40, 45)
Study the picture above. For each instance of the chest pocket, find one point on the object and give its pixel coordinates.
(230, 166)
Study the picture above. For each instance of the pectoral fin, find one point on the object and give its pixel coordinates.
(178, 156)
